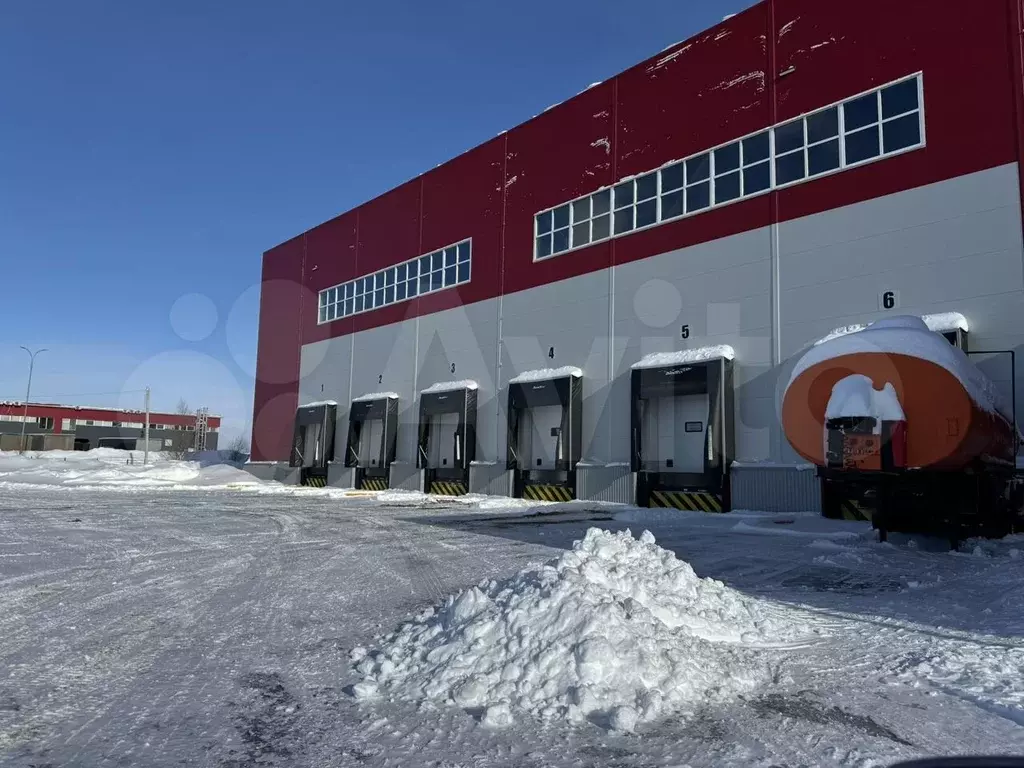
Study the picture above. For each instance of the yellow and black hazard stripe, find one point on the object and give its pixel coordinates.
(373, 484)
(315, 481)
(693, 501)
(545, 492)
(855, 510)
(447, 488)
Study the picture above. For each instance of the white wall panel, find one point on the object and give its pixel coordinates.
(949, 246)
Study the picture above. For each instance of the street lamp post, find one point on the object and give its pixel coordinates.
(28, 391)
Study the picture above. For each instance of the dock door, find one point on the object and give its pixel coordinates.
(545, 431)
(682, 429)
(313, 442)
(372, 439)
(447, 437)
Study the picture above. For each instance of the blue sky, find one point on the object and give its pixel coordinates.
(150, 152)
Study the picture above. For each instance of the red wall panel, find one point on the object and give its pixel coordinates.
(330, 259)
(389, 233)
(460, 199)
(559, 155)
(696, 94)
(277, 353)
(84, 413)
(967, 86)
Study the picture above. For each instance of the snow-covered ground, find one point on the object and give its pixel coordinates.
(175, 616)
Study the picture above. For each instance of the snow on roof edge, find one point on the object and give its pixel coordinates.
(544, 374)
(685, 356)
(376, 396)
(943, 322)
(318, 403)
(450, 386)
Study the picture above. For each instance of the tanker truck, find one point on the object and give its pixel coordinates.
(904, 426)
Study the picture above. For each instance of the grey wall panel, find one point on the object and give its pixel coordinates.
(922, 206)
(466, 337)
(405, 476)
(606, 483)
(385, 361)
(340, 476)
(949, 246)
(261, 471)
(324, 375)
(775, 489)
(490, 479)
(324, 371)
(570, 318)
(946, 246)
(720, 291)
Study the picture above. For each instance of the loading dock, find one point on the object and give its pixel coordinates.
(447, 436)
(313, 441)
(372, 439)
(545, 431)
(682, 429)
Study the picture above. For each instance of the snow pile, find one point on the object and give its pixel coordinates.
(546, 374)
(909, 335)
(855, 396)
(685, 356)
(375, 396)
(450, 386)
(617, 631)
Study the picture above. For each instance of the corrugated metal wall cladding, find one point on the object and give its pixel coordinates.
(490, 479)
(615, 484)
(405, 477)
(720, 75)
(277, 357)
(775, 489)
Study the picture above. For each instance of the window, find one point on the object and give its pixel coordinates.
(698, 185)
(727, 173)
(866, 127)
(45, 422)
(672, 182)
(757, 172)
(445, 268)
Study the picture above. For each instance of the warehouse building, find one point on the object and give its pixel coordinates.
(75, 427)
(606, 301)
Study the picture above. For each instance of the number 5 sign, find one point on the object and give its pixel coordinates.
(888, 299)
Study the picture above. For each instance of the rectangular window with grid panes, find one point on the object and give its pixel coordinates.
(879, 123)
(435, 271)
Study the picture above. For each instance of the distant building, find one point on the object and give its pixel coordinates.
(79, 427)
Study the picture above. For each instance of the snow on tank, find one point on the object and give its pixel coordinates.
(856, 397)
(908, 335)
(899, 369)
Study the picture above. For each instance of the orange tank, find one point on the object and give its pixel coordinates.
(952, 415)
